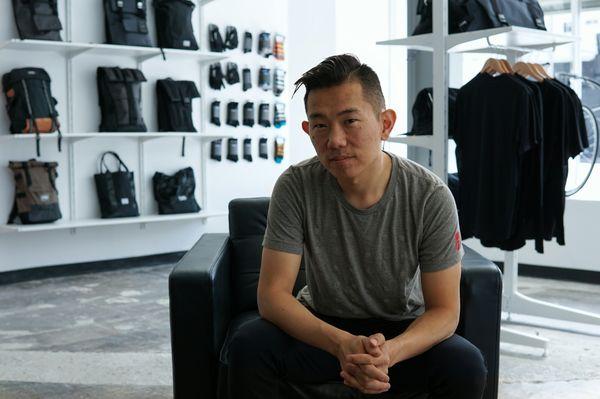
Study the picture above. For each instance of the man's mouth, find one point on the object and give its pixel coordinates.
(339, 158)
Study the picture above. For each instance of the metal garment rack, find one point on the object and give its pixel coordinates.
(513, 42)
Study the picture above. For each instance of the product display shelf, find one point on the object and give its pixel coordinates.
(72, 50)
(135, 135)
(417, 141)
(77, 224)
(496, 40)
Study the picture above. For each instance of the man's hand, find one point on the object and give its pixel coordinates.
(367, 377)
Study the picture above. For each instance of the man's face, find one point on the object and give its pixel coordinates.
(345, 129)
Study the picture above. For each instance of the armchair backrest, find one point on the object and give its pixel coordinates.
(247, 224)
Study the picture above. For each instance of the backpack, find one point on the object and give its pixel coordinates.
(29, 102)
(36, 197)
(37, 19)
(175, 105)
(175, 194)
(471, 15)
(174, 24)
(125, 22)
(119, 96)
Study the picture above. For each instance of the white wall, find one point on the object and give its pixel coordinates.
(226, 180)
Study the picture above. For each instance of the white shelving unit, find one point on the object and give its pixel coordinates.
(513, 42)
(71, 50)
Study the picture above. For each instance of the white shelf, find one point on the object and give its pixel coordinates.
(418, 141)
(497, 40)
(140, 53)
(76, 224)
(417, 42)
(137, 135)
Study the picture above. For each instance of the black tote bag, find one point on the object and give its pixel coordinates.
(116, 190)
(175, 194)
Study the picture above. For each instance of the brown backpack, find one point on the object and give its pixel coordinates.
(36, 197)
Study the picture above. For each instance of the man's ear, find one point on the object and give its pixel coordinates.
(305, 127)
(388, 119)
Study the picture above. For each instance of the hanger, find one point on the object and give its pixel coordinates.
(493, 66)
(541, 70)
(507, 66)
(526, 70)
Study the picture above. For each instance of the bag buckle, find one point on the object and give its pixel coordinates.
(502, 18)
(120, 3)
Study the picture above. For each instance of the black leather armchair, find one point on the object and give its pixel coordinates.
(212, 293)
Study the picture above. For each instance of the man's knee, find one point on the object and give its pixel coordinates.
(252, 344)
(464, 368)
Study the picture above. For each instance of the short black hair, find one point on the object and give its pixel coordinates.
(339, 69)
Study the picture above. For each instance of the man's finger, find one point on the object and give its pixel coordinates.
(375, 373)
(370, 387)
(360, 358)
(377, 339)
(371, 347)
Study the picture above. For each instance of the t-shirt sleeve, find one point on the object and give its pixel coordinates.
(284, 230)
(441, 245)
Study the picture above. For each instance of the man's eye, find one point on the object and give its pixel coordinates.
(351, 121)
(319, 126)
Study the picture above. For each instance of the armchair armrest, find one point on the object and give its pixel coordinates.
(199, 301)
(481, 305)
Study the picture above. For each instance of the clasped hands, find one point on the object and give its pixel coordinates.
(365, 362)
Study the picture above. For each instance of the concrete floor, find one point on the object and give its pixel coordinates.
(106, 335)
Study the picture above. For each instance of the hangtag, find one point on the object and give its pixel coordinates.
(502, 19)
(181, 198)
(45, 197)
(186, 43)
(124, 201)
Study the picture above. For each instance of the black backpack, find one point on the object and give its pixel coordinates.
(37, 19)
(125, 22)
(471, 15)
(175, 194)
(119, 95)
(29, 102)
(175, 105)
(174, 24)
(36, 197)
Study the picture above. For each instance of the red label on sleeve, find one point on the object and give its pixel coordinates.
(457, 240)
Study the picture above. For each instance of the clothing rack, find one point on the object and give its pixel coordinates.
(513, 42)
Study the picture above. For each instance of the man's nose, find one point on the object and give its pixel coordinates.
(337, 137)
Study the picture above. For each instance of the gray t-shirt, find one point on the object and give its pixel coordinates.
(363, 263)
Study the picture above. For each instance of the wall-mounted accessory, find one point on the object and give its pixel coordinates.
(246, 79)
(174, 24)
(232, 150)
(120, 95)
(248, 149)
(231, 37)
(29, 102)
(36, 197)
(233, 114)
(264, 78)
(125, 22)
(216, 149)
(215, 40)
(264, 115)
(116, 190)
(233, 75)
(248, 119)
(174, 105)
(278, 81)
(215, 76)
(279, 118)
(38, 21)
(265, 47)
(175, 194)
(263, 149)
(279, 48)
(247, 42)
(215, 113)
(279, 148)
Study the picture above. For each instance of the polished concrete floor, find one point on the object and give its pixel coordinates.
(106, 335)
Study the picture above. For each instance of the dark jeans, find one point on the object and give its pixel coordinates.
(261, 355)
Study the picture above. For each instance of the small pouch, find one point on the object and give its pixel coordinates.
(233, 118)
(215, 113)
(263, 150)
(248, 149)
(216, 149)
(232, 150)
(248, 119)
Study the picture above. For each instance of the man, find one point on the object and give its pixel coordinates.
(380, 242)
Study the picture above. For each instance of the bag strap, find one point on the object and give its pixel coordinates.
(52, 115)
(13, 213)
(32, 117)
(114, 154)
